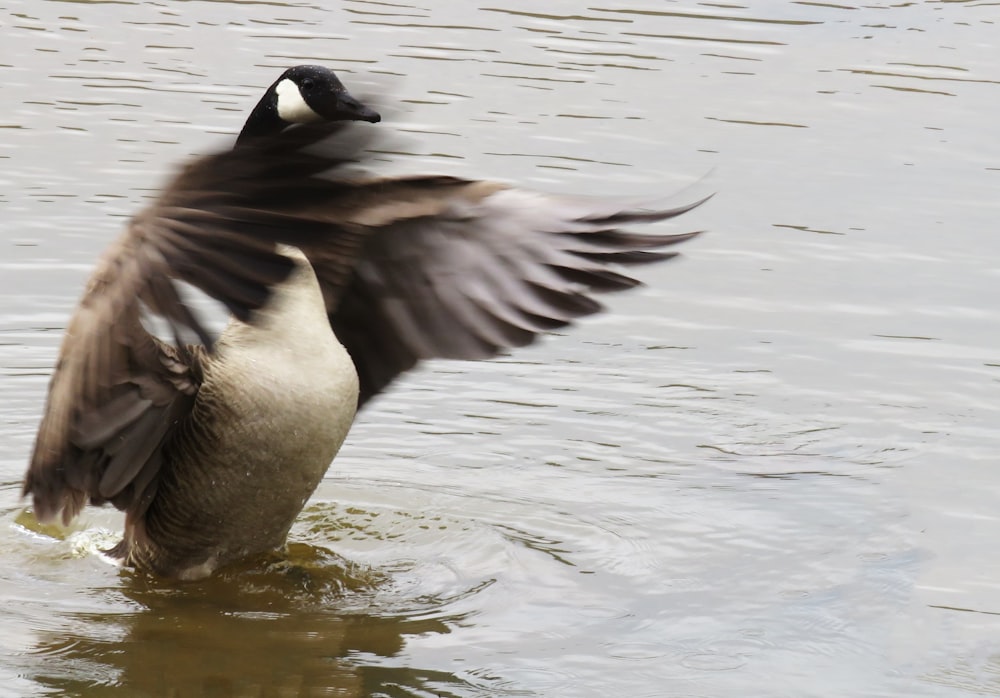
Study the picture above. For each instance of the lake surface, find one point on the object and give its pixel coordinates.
(771, 472)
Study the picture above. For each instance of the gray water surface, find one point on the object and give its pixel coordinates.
(770, 472)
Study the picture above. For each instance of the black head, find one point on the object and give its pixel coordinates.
(304, 94)
(313, 93)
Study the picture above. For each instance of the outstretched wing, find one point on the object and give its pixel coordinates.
(450, 268)
(118, 392)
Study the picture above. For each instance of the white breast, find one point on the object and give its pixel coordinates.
(288, 361)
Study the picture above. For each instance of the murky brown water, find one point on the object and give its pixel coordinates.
(772, 472)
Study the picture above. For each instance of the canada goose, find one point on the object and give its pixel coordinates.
(213, 447)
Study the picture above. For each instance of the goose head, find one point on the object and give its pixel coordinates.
(303, 94)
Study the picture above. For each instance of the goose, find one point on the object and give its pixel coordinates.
(334, 285)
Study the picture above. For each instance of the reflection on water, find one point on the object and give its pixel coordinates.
(770, 472)
(220, 637)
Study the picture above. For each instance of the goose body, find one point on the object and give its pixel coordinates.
(269, 417)
(336, 285)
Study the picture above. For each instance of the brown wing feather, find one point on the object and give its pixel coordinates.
(118, 393)
(442, 267)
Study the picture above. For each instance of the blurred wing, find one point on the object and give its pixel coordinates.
(118, 393)
(448, 268)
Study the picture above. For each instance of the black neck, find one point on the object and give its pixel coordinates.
(263, 120)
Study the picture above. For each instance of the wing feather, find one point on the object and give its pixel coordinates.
(119, 393)
(451, 268)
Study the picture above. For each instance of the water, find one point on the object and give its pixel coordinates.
(770, 472)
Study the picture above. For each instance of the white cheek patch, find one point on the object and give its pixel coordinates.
(291, 106)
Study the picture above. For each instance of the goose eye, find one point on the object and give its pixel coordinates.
(307, 84)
